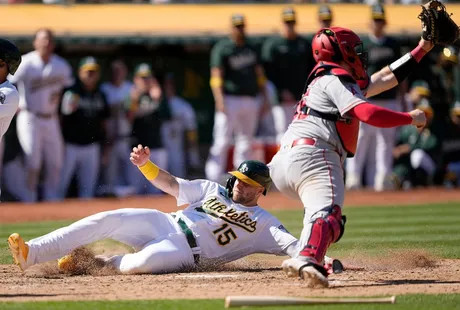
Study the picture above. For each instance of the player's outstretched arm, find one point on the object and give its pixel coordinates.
(395, 73)
(386, 118)
(140, 156)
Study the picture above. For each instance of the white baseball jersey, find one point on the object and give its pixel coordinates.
(40, 85)
(226, 231)
(327, 94)
(117, 96)
(9, 101)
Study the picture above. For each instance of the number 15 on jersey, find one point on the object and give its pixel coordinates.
(225, 234)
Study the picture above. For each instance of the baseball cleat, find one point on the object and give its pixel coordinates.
(19, 250)
(314, 275)
(66, 264)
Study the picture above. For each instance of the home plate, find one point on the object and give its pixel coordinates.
(208, 276)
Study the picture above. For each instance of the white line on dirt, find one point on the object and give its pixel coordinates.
(208, 276)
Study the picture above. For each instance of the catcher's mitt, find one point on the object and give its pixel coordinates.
(437, 25)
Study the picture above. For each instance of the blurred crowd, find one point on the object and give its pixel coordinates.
(73, 132)
(75, 128)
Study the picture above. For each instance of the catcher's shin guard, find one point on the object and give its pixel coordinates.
(324, 231)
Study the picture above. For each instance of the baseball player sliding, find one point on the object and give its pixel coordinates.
(41, 79)
(309, 164)
(10, 58)
(221, 224)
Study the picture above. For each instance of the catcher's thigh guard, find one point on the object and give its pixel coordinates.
(322, 232)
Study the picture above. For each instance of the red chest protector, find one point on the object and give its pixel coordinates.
(347, 129)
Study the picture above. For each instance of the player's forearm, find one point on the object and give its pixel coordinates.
(160, 178)
(218, 94)
(398, 71)
(380, 117)
(381, 81)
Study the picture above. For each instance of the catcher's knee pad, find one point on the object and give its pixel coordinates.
(324, 231)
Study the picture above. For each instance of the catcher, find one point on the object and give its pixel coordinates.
(221, 224)
(324, 132)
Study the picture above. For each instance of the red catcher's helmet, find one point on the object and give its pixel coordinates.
(335, 44)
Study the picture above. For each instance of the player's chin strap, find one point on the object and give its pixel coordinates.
(229, 187)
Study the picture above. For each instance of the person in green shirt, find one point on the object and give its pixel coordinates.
(237, 78)
(416, 152)
(148, 110)
(375, 145)
(451, 148)
(445, 79)
(325, 17)
(288, 60)
(418, 91)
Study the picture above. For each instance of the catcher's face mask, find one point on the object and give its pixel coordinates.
(337, 44)
(353, 52)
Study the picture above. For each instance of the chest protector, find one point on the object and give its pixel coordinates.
(347, 129)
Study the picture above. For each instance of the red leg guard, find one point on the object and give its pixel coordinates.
(324, 232)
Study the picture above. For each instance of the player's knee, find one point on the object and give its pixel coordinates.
(334, 220)
(135, 263)
(337, 222)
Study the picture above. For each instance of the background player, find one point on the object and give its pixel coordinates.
(40, 78)
(182, 125)
(237, 77)
(324, 132)
(375, 145)
(221, 224)
(84, 103)
(325, 17)
(148, 111)
(287, 60)
(10, 58)
(117, 92)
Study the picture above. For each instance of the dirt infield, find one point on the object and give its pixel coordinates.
(396, 273)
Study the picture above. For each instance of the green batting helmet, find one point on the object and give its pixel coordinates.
(9, 53)
(252, 172)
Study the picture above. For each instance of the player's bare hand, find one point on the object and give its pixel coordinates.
(418, 118)
(140, 155)
(155, 92)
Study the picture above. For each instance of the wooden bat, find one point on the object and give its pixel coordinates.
(241, 301)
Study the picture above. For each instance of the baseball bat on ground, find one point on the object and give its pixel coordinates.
(241, 301)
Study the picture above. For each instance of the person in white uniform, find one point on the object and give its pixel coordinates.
(117, 91)
(41, 78)
(10, 58)
(221, 224)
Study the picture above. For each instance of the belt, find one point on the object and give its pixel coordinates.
(190, 237)
(308, 141)
(303, 141)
